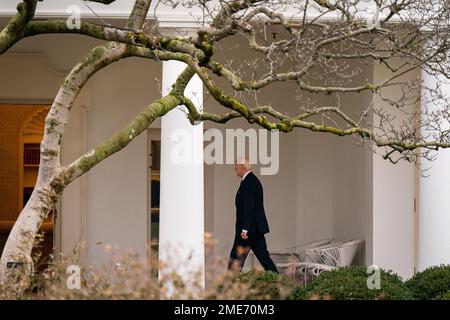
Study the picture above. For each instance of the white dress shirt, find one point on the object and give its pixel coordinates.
(243, 177)
(245, 174)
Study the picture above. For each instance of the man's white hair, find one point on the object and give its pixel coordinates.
(245, 163)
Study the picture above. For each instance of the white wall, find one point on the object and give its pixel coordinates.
(315, 181)
(393, 216)
(394, 188)
(334, 187)
(42, 79)
(434, 207)
(71, 230)
(323, 188)
(353, 178)
(117, 187)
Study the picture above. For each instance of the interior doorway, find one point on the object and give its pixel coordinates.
(21, 135)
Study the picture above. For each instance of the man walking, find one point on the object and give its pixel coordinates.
(251, 221)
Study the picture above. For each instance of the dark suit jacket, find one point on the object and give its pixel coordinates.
(250, 214)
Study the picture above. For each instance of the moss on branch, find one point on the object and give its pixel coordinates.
(124, 136)
(14, 30)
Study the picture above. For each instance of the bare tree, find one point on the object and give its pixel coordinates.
(321, 45)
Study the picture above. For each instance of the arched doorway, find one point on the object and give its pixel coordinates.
(22, 132)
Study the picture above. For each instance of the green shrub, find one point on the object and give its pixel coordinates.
(430, 283)
(445, 296)
(350, 283)
(253, 285)
(272, 285)
(300, 293)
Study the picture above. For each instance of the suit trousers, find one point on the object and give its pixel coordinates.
(241, 248)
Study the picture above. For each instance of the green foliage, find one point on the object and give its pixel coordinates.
(350, 283)
(126, 277)
(431, 283)
(300, 293)
(267, 284)
(254, 285)
(445, 296)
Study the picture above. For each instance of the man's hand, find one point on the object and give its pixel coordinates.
(244, 234)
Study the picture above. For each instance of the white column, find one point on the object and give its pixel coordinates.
(434, 191)
(181, 237)
(393, 216)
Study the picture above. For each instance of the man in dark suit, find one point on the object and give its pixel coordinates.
(251, 221)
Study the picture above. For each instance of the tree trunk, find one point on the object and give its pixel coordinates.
(16, 263)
